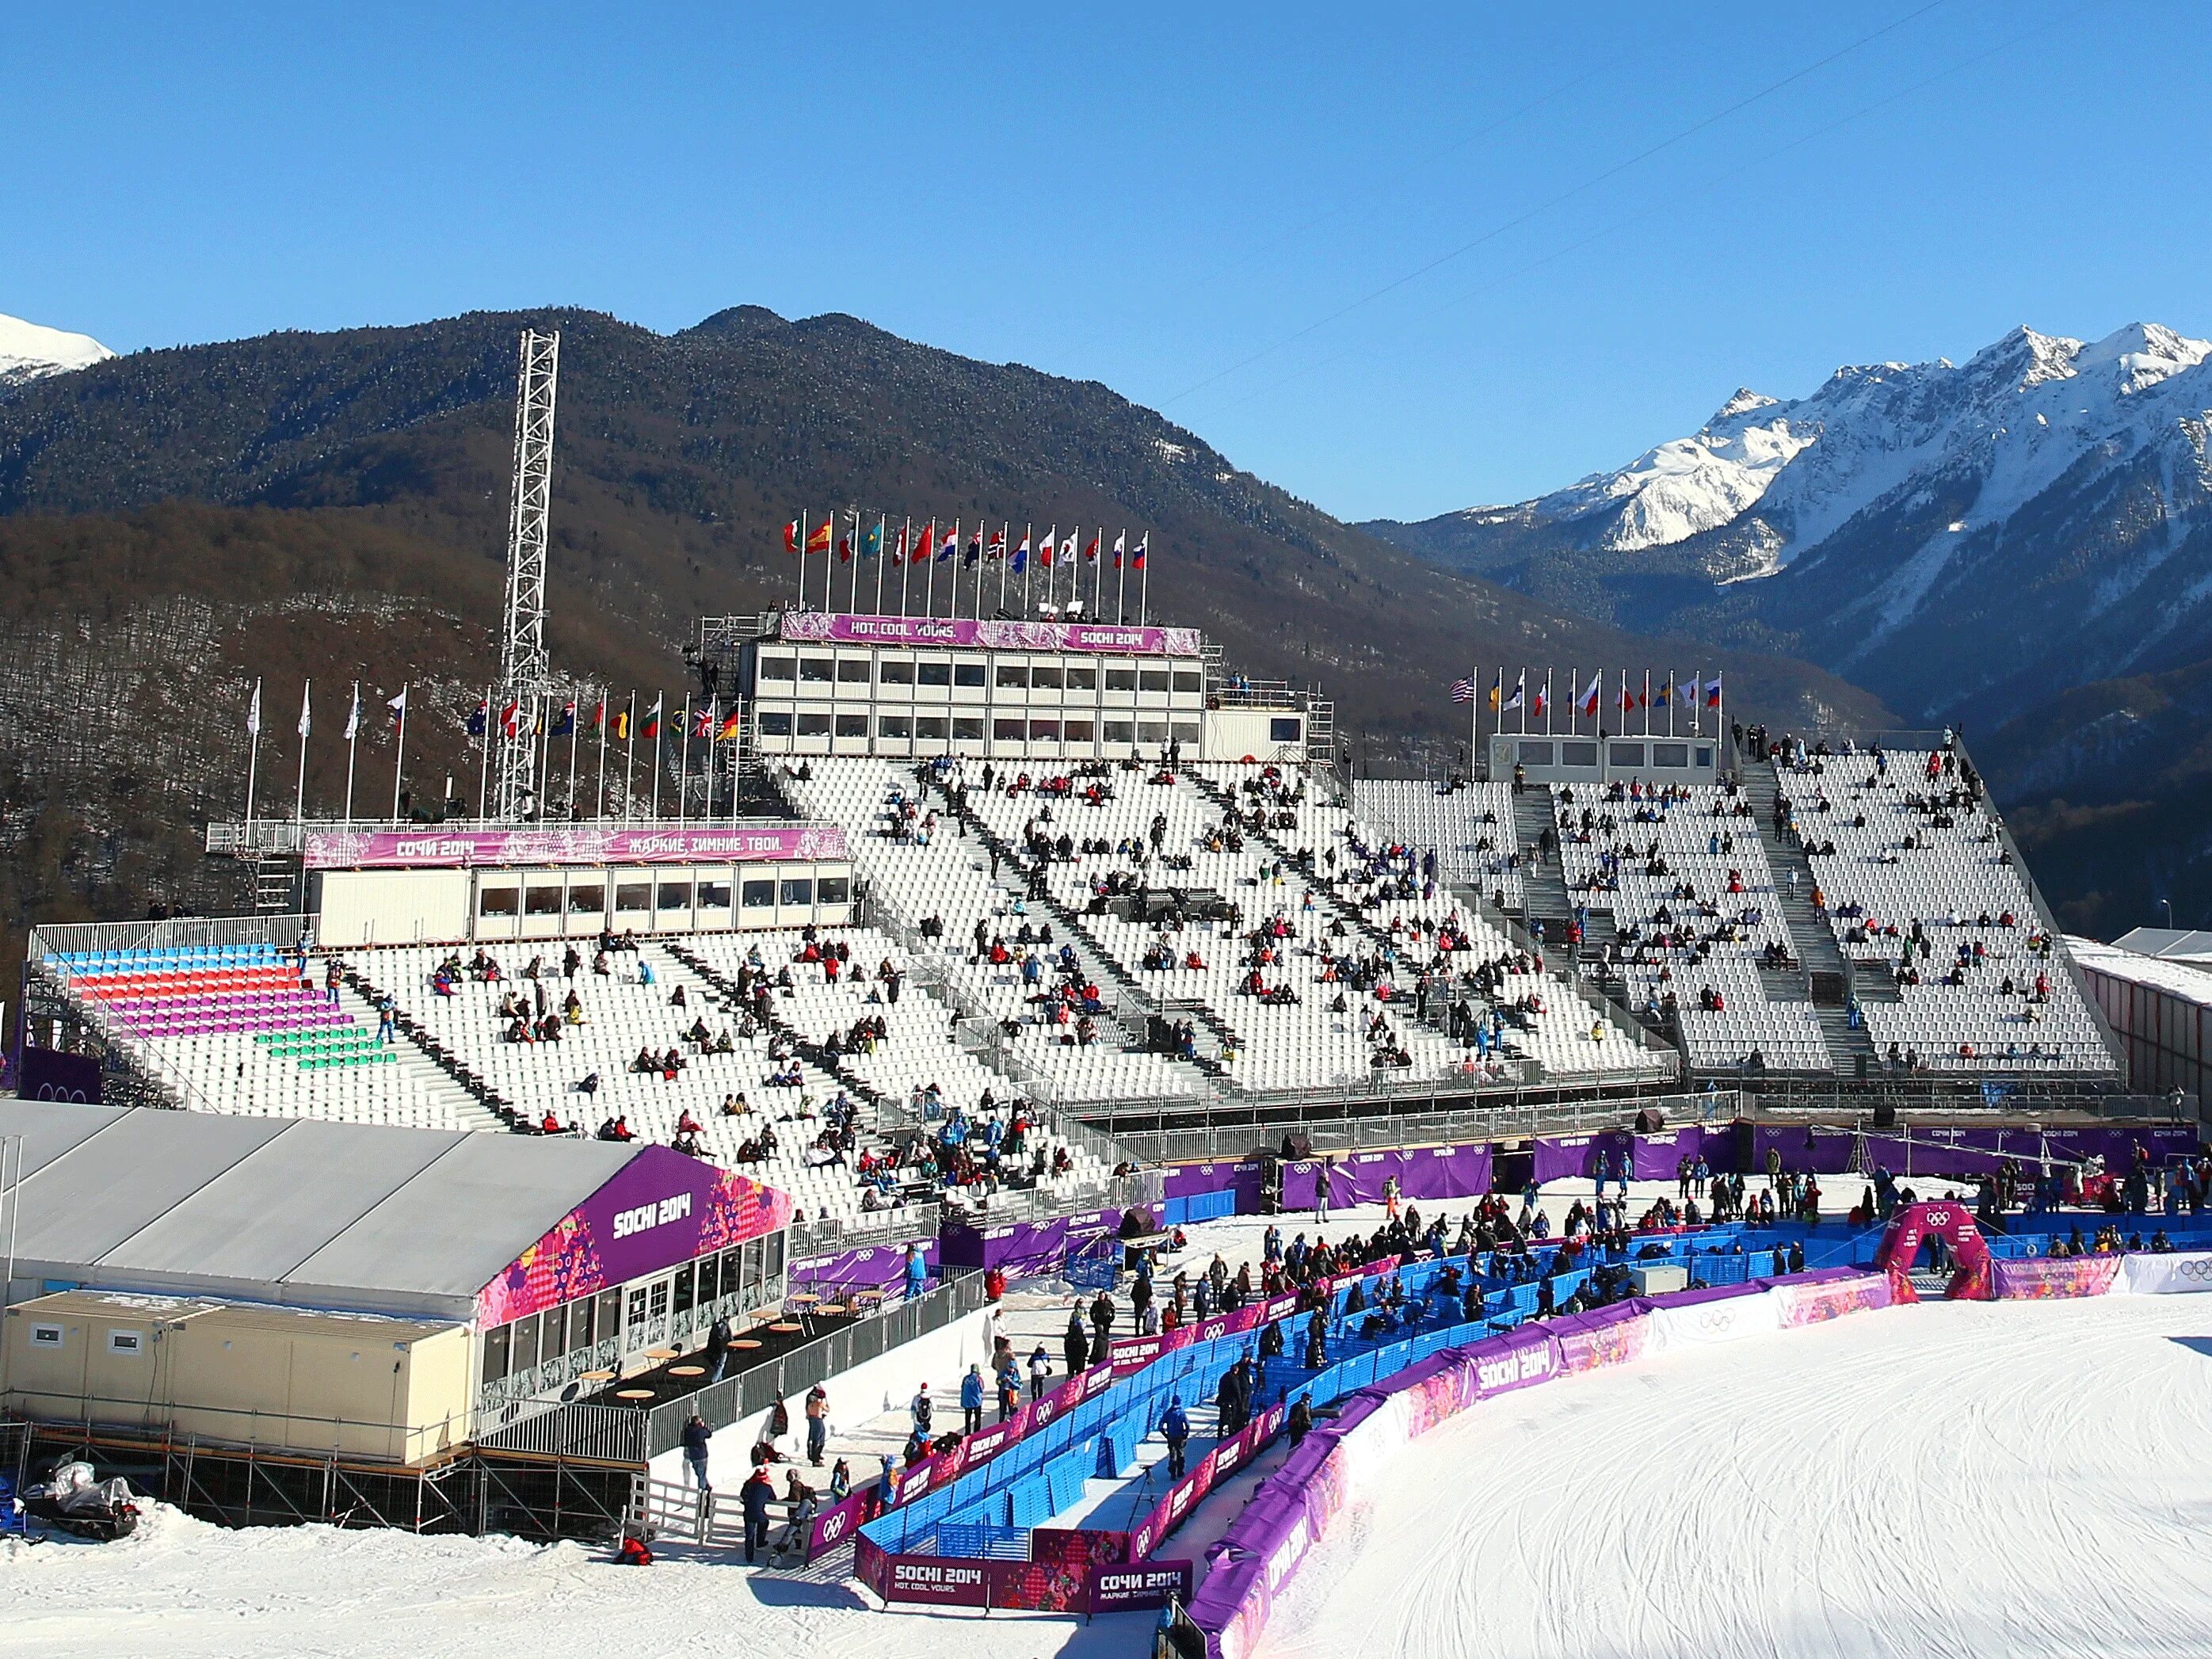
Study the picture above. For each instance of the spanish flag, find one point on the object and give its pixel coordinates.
(819, 538)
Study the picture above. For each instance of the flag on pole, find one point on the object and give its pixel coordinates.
(1536, 701)
(621, 729)
(353, 716)
(306, 718)
(1713, 692)
(253, 712)
(818, 539)
(1021, 560)
(1498, 692)
(845, 549)
(1090, 548)
(920, 554)
(652, 717)
(399, 706)
(872, 541)
(1137, 559)
(1520, 692)
(702, 723)
(1627, 700)
(1045, 546)
(998, 548)
(564, 723)
(1590, 695)
(950, 546)
(480, 720)
(1462, 690)
(1659, 697)
(1067, 547)
(731, 723)
(791, 536)
(599, 714)
(975, 548)
(510, 721)
(1120, 549)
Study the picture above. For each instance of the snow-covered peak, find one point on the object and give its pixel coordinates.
(1745, 401)
(30, 351)
(2142, 355)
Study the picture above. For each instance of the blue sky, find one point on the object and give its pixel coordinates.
(1200, 206)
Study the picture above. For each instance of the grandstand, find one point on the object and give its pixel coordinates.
(986, 892)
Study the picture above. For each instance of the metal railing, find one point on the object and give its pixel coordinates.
(858, 1231)
(78, 938)
(1514, 1120)
(736, 1398)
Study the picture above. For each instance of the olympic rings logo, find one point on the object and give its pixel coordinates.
(2194, 1268)
(1718, 1320)
(1938, 1218)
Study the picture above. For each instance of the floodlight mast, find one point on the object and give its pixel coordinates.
(525, 670)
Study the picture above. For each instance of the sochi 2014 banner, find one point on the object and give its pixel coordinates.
(2040, 1279)
(991, 634)
(387, 849)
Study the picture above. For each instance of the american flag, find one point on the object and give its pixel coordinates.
(1463, 690)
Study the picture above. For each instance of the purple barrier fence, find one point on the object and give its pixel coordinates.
(874, 1265)
(1020, 1248)
(1293, 1510)
(1424, 1175)
(2045, 1277)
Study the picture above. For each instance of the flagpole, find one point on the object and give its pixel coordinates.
(399, 754)
(1097, 577)
(659, 718)
(879, 564)
(1121, 590)
(1547, 702)
(852, 593)
(802, 558)
(300, 787)
(683, 765)
(1029, 568)
(600, 719)
(575, 716)
(353, 742)
(906, 565)
(252, 755)
(483, 779)
(629, 757)
(1144, 593)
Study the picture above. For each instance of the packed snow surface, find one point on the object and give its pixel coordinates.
(2018, 1478)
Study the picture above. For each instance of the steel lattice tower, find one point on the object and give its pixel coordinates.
(525, 670)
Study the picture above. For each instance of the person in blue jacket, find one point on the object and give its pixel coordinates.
(1174, 1428)
(971, 1401)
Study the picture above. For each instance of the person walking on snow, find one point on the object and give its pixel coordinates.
(1174, 1428)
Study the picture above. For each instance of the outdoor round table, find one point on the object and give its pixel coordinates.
(596, 1376)
(745, 1342)
(830, 1308)
(660, 1353)
(785, 1326)
(687, 1370)
(633, 1393)
(802, 1298)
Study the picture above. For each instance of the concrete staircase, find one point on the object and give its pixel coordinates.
(1827, 977)
(1543, 878)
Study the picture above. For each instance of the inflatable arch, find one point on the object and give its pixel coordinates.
(1912, 1226)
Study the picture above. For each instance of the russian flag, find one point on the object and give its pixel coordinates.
(1137, 559)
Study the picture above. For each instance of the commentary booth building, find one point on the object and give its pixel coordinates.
(351, 1289)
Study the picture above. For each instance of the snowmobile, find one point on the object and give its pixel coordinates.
(79, 1504)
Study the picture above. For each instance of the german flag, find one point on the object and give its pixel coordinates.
(728, 731)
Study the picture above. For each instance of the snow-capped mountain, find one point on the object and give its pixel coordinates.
(1950, 535)
(31, 352)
